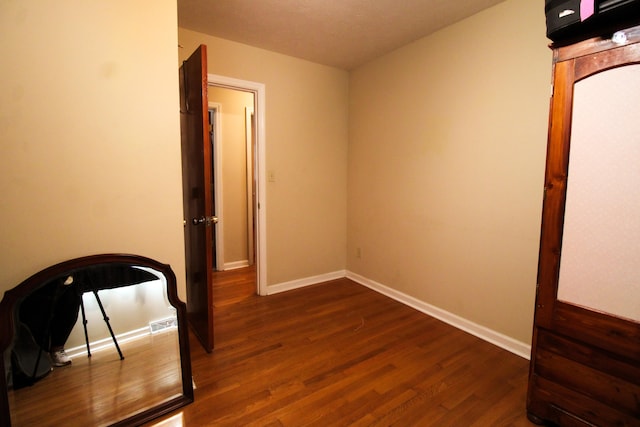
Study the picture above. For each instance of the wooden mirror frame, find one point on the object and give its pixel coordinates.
(8, 328)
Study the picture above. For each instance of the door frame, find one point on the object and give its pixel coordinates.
(258, 90)
(217, 184)
(249, 126)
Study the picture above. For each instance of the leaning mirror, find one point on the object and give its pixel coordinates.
(99, 340)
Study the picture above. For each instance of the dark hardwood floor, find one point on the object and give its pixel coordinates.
(339, 354)
(98, 390)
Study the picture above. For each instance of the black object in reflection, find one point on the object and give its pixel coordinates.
(108, 276)
(48, 315)
(46, 318)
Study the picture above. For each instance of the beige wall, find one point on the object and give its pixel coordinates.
(89, 131)
(306, 149)
(446, 164)
(234, 170)
(443, 142)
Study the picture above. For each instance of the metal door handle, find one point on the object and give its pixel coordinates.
(207, 220)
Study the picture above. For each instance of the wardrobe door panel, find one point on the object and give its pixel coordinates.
(601, 237)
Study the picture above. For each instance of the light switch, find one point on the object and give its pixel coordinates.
(271, 176)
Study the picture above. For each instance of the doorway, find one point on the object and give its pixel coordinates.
(232, 136)
(244, 176)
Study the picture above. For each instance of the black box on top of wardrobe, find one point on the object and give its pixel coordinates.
(565, 25)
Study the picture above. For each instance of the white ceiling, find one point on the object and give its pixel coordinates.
(339, 33)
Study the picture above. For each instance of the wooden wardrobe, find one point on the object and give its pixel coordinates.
(585, 361)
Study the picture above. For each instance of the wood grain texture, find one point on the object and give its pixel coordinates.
(197, 193)
(585, 363)
(92, 391)
(339, 354)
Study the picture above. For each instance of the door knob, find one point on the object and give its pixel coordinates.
(207, 220)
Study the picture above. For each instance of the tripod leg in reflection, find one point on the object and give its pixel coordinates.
(106, 320)
(84, 324)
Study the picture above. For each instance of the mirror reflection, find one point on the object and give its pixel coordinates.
(95, 345)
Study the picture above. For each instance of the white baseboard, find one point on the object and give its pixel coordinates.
(507, 343)
(307, 281)
(235, 265)
(516, 347)
(108, 342)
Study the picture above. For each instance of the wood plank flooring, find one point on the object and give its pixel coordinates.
(102, 389)
(339, 354)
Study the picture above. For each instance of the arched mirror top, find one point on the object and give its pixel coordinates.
(122, 285)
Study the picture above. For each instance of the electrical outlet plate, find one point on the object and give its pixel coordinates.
(163, 324)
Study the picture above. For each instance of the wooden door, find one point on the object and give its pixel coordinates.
(197, 195)
(585, 362)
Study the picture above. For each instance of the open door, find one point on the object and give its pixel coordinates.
(197, 195)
